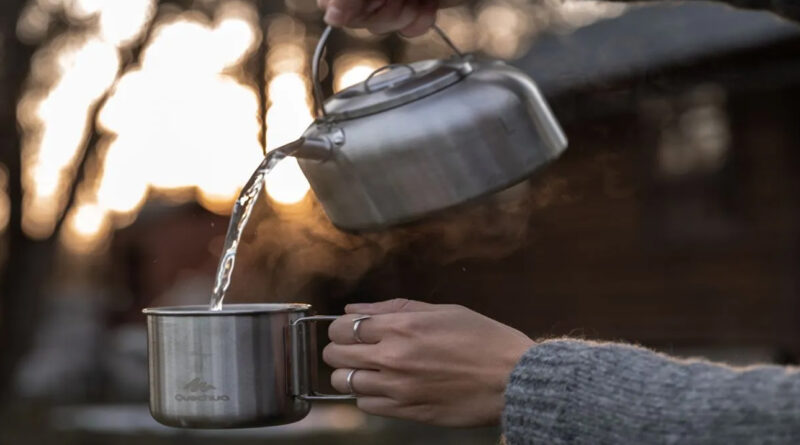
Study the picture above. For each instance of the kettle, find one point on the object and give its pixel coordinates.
(413, 139)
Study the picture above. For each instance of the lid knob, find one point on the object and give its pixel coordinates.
(390, 80)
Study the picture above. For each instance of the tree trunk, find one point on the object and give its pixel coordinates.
(28, 261)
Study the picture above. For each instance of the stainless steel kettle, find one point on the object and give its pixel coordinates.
(413, 139)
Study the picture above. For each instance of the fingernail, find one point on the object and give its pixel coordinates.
(334, 16)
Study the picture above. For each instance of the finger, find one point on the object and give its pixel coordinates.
(350, 356)
(394, 16)
(380, 406)
(385, 13)
(342, 331)
(340, 12)
(323, 4)
(389, 306)
(371, 8)
(364, 382)
(423, 22)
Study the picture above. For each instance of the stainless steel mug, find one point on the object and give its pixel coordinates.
(247, 365)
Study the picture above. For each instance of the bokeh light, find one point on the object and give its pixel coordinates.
(353, 67)
(289, 110)
(54, 114)
(69, 77)
(695, 135)
(87, 227)
(504, 29)
(182, 123)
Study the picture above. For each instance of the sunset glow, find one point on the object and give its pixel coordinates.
(288, 115)
(182, 122)
(353, 67)
(87, 227)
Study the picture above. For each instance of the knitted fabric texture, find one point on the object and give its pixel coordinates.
(577, 392)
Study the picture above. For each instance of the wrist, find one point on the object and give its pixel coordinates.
(513, 357)
(502, 375)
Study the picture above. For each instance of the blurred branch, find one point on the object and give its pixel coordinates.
(24, 276)
(94, 134)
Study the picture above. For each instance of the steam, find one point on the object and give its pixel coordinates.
(293, 247)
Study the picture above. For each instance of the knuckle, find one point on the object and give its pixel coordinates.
(424, 413)
(363, 405)
(397, 356)
(397, 325)
(405, 325)
(396, 389)
(367, 407)
(390, 358)
(403, 390)
(398, 304)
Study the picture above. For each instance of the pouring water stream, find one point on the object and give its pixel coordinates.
(242, 209)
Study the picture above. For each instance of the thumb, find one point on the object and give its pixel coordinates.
(389, 306)
(340, 12)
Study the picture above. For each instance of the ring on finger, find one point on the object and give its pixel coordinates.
(356, 324)
(349, 381)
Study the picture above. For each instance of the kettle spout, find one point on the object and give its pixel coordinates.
(319, 149)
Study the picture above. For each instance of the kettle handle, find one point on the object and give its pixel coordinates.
(319, 103)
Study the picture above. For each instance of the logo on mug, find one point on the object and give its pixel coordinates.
(199, 385)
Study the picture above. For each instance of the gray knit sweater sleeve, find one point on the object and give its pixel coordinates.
(577, 392)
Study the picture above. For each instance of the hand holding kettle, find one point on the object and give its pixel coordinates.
(408, 17)
(414, 17)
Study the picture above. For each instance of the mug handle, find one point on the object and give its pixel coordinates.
(302, 382)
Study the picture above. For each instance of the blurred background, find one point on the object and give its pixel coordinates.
(128, 128)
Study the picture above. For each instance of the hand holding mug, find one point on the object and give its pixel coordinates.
(439, 364)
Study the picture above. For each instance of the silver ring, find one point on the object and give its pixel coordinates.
(349, 380)
(356, 323)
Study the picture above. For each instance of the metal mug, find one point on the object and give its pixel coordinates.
(247, 365)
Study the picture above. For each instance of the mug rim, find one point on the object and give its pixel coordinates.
(228, 309)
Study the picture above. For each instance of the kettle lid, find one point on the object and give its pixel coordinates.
(394, 85)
